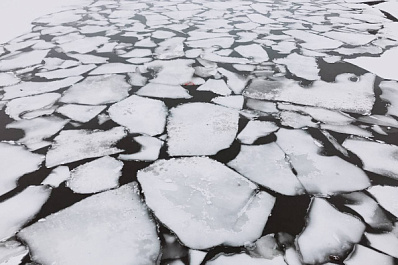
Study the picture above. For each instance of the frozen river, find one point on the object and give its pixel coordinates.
(201, 133)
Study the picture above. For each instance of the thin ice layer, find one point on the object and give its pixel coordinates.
(14, 216)
(200, 129)
(267, 166)
(328, 232)
(376, 157)
(75, 145)
(15, 162)
(325, 175)
(95, 176)
(112, 227)
(189, 196)
(140, 115)
(107, 89)
(348, 93)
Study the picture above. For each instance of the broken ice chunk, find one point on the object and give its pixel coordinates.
(254, 51)
(140, 115)
(381, 65)
(106, 88)
(137, 53)
(136, 79)
(170, 48)
(348, 93)
(95, 176)
(12, 252)
(84, 45)
(223, 42)
(260, 105)
(75, 145)
(313, 41)
(363, 255)
(387, 197)
(34, 88)
(351, 38)
(189, 196)
(88, 58)
(150, 149)
(80, 113)
(22, 60)
(236, 82)
(38, 129)
(368, 209)
(347, 129)
(376, 157)
(173, 72)
(216, 86)
(21, 208)
(296, 120)
(267, 166)
(301, 66)
(325, 175)
(328, 232)
(57, 176)
(112, 227)
(163, 91)
(255, 130)
(17, 107)
(239, 259)
(235, 102)
(68, 72)
(200, 129)
(8, 79)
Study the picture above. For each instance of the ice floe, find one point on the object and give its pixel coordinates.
(96, 176)
(254, 51)
(57, 176)
(376, 157)
(363, 255)
(235, 101)
(68, 72)
(163, 91)
(328, 232)
(319, 174)
(107, 88)
(198, 214)
(75, 145)
(32, 199)
(150, 149)
(387, 197)
(23, 60)
(8, 79)
(80, 113)
(301, 66)
(200, 129)
(140, 115)
(267, 166)
(113, 226)
(16, 107)
(255, 130)
(216, 86)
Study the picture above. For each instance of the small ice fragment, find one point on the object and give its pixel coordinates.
(254, 51)
(113, 68)
(136, 79)
(172, 72)
(267, 166)
(235, 101)
(260, 105)
(296, 120)
(96, 176)
(255, 130)
(63, 73)
(216, 86)
(106, 88)
(21, 208)
(236, 82)
(12, 252)
(88, 58)
(140, 115)
(200, 129)
(112, 227)
(150, 149)
(80, 113)
(75, 145)
(198, 180)
(57, 176)
(84, 45)
(328, 232)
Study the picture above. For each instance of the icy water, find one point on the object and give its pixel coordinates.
(202, 133)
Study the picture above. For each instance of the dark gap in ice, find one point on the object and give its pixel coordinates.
(288, 215)
(380, 106)
(221, 250)
(328, 72)
(226, 155)
(129, 171)
(265, 139)
(389, 16)
(8, 134)
(378, 179)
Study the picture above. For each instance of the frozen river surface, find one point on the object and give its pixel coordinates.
(201, 133)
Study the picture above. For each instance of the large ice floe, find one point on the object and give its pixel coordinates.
(113, 226)
(250, 132)
(184, 194)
